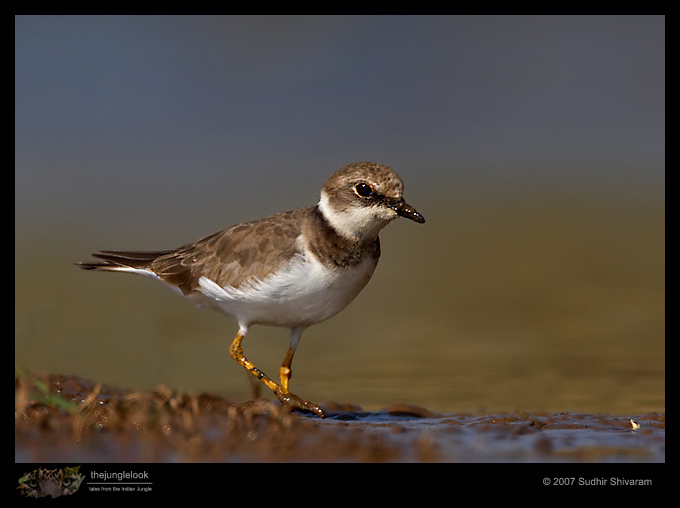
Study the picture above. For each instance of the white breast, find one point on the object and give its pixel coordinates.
(303, 293)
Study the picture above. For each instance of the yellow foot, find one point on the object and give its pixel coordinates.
(294, 402)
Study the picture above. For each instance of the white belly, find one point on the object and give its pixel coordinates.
(303, 293)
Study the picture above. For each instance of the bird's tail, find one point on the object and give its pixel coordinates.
(125, 261)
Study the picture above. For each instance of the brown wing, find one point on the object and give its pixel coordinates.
(228, 257)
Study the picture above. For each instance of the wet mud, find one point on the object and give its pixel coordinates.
(69, 419)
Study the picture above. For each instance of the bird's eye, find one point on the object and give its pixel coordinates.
(363, 189)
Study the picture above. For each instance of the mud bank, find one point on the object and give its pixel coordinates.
(69, 419)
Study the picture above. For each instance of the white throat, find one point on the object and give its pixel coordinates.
(356, 222)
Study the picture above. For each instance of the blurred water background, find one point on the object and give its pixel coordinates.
(533, 146)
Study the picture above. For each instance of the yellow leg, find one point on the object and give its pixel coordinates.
(281, 391)
(236, 352)
(286, 372)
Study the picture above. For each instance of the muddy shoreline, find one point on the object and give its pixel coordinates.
(69, 419)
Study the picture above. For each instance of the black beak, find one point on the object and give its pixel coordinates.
(406, 210)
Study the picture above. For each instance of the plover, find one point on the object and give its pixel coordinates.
(292, 269)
